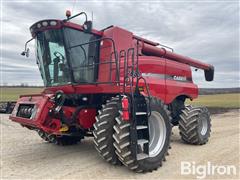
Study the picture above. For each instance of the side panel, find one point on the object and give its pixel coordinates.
(179, 81)
(153, 70)
(167, 79)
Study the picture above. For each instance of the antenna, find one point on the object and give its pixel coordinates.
(92, 16)
(74, 3)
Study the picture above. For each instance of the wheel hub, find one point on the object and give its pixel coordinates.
(157, 133)
(203, 126)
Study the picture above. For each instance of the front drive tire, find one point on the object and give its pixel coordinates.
(122, 140)
(195, 125)
(103, 131)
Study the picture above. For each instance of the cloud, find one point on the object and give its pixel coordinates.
(205, 30)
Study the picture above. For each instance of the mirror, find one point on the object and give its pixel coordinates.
(87, 26)
(26, 53)
(27, 50)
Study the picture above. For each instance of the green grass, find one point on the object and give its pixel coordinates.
(218, 100)
(13, 93)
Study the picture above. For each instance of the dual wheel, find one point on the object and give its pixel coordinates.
(112, 134)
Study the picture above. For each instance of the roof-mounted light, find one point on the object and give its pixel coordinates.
(42, 25)
(53, 23)
(87, 26)
(39, 25)
(45, 23)
(68, 14)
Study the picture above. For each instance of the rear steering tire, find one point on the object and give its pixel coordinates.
(195, 125)
(160, 123)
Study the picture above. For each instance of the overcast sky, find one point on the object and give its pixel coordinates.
(205, 30)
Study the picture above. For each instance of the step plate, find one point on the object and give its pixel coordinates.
(142, 156)
(139, 129)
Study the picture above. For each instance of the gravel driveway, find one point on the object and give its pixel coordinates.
(25, 155)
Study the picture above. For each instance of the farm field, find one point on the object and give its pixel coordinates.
(231, 100)
(13, 93)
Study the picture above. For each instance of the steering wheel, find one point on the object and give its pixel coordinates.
(59, 55)
(59, 99)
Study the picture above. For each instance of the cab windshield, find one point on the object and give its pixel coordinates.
(59, 64)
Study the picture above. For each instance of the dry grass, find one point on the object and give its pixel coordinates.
(13, 93)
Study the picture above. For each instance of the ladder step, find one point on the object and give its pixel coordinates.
(141, 113)
(141, 127)
(141, 156)
(142, 141)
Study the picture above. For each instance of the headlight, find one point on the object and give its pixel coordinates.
(53, 23)
(39, 25)
(45, 23)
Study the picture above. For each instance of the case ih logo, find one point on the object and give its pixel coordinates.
(180, 78)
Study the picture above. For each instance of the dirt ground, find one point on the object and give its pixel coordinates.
(25, 155)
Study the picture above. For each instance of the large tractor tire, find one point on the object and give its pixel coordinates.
(103, 130)
(195, 125)
(43, 135)
(59, 140)
(159, 136)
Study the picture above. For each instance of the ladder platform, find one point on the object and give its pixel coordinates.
(141, 127)
(142, 141)
(141, 113)
(142, 156)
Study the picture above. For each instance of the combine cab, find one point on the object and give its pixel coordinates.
(123, 90)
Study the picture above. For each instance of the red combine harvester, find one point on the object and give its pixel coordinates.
(121, 89)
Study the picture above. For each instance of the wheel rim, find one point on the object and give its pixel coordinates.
(157, 133)
(204, 126)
